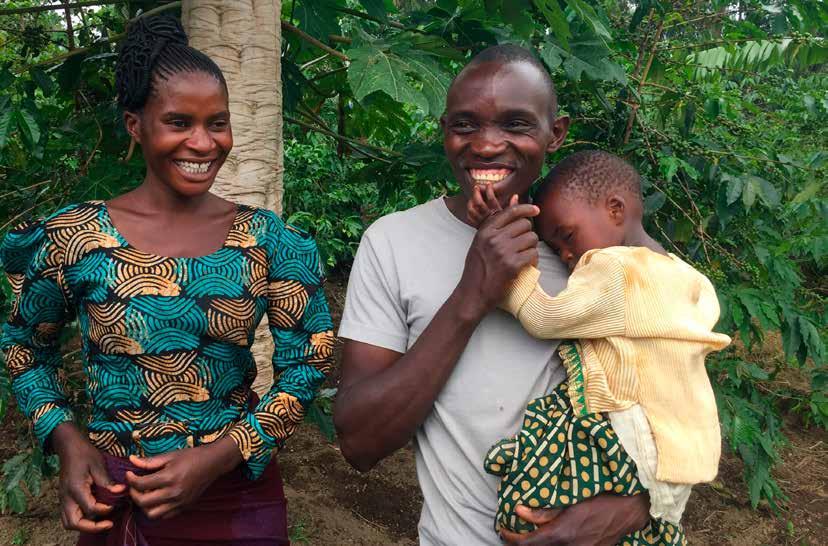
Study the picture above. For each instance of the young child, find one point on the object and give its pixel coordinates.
(637, 411)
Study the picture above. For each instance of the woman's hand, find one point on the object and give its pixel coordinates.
(600, 521)
(176, 479)
(81, 465)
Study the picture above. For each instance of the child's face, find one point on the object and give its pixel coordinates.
(572, 226)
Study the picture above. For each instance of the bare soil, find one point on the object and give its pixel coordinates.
(330, 503)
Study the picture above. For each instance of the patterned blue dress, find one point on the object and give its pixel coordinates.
(166, 341)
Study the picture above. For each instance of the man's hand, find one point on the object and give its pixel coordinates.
(176, 479)
(600, 521)
(503, 246)
(81, 465)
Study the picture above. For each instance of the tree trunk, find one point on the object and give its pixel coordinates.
(244, 38)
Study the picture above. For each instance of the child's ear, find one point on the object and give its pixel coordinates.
(617, 208)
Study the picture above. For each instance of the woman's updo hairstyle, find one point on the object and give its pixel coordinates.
(156, 47)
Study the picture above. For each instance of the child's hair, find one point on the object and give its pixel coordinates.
(590, 175)
(156, 47)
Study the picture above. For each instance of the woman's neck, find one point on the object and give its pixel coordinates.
(153, 195)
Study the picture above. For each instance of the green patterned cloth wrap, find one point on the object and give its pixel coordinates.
(560, 458)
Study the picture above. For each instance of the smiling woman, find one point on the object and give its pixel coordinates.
(176, 435)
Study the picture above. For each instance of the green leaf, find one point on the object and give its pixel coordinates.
(588, 14)
(46, 84)
(375, 8)
(812, 340)
(767, 191)
(654, 202)
(6, 126)
(322, 420)
(16, 500)
(317, 18)
(6, 78)
(375, 69)
(810, 104)
(552, 55)
(749, 193)
(518, 14)
(669, 167)
(556, 18)
(434, 84)
(806, 194)
(734, 187)
(711, 107)
(28, 127)
(641, 10)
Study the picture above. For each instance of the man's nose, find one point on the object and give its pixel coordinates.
(488, 142)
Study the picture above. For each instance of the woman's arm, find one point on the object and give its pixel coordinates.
(302, 331)
(40, 308)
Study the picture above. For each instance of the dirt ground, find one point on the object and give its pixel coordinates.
(332, 504)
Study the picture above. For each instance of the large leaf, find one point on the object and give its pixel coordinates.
(586, 12)
(318, 18)
(588, 59)
(7, 125)
(394, 72)
(556, 18)
(43, 81)
(759, 55)
(28, 127)
(375, 8)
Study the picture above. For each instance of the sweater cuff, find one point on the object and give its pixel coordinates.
(520, 290)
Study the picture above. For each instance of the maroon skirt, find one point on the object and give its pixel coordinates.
(232, 511)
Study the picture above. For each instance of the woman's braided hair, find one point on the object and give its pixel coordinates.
(156, 47)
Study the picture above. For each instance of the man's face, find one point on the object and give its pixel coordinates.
(499, 126)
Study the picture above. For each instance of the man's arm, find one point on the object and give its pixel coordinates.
(385, 395)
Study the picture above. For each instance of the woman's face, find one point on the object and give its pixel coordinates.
(184, 132)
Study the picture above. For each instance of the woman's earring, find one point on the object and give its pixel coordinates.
(130, 151)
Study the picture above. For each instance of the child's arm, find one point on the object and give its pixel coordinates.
(593, 304)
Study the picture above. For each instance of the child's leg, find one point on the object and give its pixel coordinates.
(561, 459)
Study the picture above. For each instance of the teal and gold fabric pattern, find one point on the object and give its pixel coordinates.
(166, 341)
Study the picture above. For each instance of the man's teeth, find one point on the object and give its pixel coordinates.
(194, 168)
(485, 176)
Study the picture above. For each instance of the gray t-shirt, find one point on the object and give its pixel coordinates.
(407, 265)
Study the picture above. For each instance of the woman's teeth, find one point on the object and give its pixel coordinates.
(194, 168)
(487, 176)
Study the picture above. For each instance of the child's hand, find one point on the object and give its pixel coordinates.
(484, 203)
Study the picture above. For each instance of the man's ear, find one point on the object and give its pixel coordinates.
(132, 122)
(616, 206)
(559, 130)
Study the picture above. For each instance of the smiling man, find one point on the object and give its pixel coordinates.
(426, 354)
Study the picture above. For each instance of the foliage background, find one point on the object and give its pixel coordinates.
(721, 105)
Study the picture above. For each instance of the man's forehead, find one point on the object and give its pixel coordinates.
(507, 85)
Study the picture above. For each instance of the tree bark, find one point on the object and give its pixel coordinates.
(244, 38)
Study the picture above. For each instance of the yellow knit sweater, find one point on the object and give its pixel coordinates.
(645, 321)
